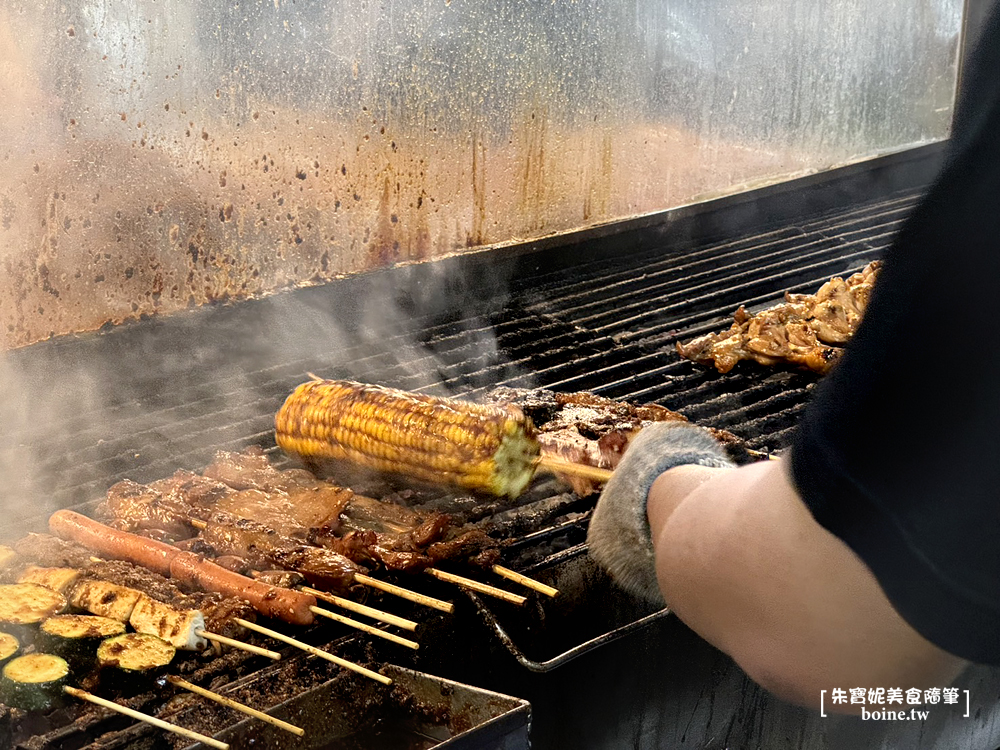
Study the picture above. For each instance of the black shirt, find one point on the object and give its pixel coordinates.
(899, 453)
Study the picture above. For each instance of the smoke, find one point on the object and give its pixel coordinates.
(144, 399)
(431, 327)
(39, 405)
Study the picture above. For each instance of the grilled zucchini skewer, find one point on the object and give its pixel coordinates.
(487, 448)
(182, 628)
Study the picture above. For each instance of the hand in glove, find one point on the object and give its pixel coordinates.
(619, 537)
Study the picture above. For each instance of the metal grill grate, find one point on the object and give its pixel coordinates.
(167, 393)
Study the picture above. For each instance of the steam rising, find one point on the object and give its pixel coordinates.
(143, 400)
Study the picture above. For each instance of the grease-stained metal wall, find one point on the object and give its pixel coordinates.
(160, 154)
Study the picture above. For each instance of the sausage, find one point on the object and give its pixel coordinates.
(121, 545)
(271, 601)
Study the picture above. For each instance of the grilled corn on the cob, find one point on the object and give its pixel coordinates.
(436, 440)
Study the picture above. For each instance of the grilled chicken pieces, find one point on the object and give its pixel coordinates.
(808, 330)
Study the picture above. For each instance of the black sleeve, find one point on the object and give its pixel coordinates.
(899, 453)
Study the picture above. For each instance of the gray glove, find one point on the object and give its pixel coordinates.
(619, 537)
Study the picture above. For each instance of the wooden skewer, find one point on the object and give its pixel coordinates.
(482, 588)
(237, 706)
(762, 455)
(362, 626)
(239, 644)
(584, 471)
(361, 609)
(413, 596)
(389, 588)
(159, 723)
(531, 583)
(314, 651)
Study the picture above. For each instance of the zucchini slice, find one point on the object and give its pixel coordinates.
(9, 647)
(178, 627)
(57, 579)
(104, 599)
(34, 682)
(76, 637)
(132, 662)
(28, 603)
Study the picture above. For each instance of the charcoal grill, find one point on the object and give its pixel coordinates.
(597, 311)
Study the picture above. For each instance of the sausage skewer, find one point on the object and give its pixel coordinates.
(211, 577)
(273, 601)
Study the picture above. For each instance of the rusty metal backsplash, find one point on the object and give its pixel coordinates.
(156, 156)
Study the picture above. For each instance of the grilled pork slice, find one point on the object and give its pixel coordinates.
(34, 682)
(263, 548)
(808, 330)
(180, 628)
(168, 506)
(274, 496)
(299, 523)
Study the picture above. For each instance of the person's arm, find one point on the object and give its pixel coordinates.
(742, 562)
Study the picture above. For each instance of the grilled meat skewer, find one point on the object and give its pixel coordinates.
(286, 502)
(264, 548)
